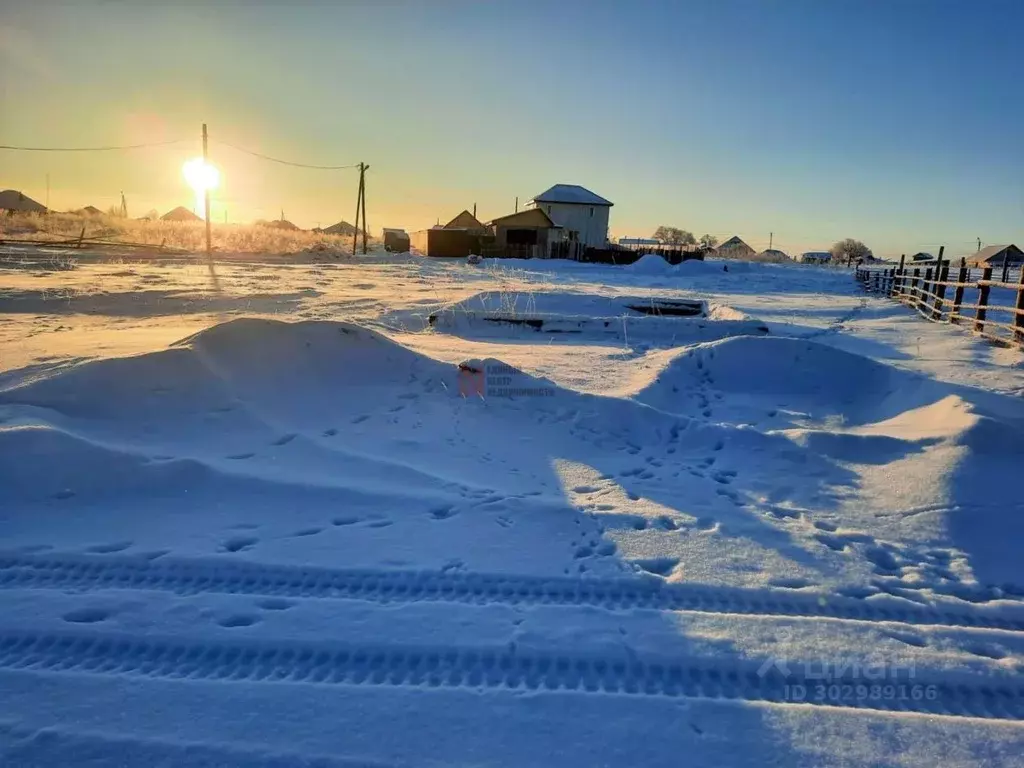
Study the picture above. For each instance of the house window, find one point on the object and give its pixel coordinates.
(591, 211)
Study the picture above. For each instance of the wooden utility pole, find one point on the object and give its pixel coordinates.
(362, 188)
(517, 205)
(359, 206)
(206, 197)
(771, 240)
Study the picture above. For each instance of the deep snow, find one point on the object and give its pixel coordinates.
(281, 524)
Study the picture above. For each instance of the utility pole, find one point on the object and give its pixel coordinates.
(474, 210)
(48, 195)
(517, 204)
(206, 198)
(771, 239)
(124, 206)
(359, 206)
(362, 187)
(979, 243)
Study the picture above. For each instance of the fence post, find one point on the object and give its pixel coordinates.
(915, 275)
(1018, 320)
(979, 313)
(941, 274)
(958, 295)
(926, 287)
(897, 284)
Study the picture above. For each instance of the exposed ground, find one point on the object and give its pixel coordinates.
(274, 523)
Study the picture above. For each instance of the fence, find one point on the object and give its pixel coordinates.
(992, 308)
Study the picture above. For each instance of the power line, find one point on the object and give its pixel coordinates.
(287, 162)
(92, 149)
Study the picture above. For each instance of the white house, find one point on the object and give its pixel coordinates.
(815, 257)
(582, 215)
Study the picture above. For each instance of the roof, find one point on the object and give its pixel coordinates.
(735, 242)
(994, 254)
(570, 193)
(13, 200)
(181, 213)
(922, 256)
(91, 210)
(341, 228)
(639, 241)
(817, 254)
(464, 220)
(529, 213)
(773, 252)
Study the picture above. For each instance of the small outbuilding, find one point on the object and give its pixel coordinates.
(994, 256)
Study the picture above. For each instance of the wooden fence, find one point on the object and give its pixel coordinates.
(988, 300)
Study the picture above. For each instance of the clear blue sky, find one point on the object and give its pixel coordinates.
(898, 122)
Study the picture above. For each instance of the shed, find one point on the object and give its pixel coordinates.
(582, 214)
(993, 255)
(773, 255)
(445, 242)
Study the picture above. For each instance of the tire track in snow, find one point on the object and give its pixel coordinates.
(477, 669)
(203, 576)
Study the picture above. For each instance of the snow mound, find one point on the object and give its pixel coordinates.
(786, 376)
(651, 264)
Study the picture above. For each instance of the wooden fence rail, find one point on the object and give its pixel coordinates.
(924, 289)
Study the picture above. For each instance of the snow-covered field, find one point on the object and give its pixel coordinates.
(390, 511)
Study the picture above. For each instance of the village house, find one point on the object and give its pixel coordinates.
(582, 215)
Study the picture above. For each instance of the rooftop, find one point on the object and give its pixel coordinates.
(570, 193)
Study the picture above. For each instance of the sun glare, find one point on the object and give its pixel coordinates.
(200, 175)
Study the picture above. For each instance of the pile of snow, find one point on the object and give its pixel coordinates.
(650, 264)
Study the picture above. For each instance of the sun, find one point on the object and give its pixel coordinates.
(200, 175)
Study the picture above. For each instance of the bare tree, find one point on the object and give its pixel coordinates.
(848, 251)
(708, 241)
(674, 236)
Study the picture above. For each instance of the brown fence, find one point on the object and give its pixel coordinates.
(988, 300)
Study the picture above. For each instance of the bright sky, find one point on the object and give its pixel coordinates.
(898, 122)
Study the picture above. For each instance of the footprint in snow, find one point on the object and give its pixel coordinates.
(238, 543)
(239, 620)
(274, 603)
(330, 432)
(345, 520)
(285, 439)
(87, 615)
(307, 532)
(241, 456)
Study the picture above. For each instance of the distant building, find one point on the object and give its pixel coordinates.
(582, 215)
(815, 257)
(922, 256)
(180, 213)
(11, 200)
(735, 248)
(993, 256)
(639, 242)
(341, 228)
(281, 224)
(773, 255)
(89, 210)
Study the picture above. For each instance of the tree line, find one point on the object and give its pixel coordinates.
(848, 251)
